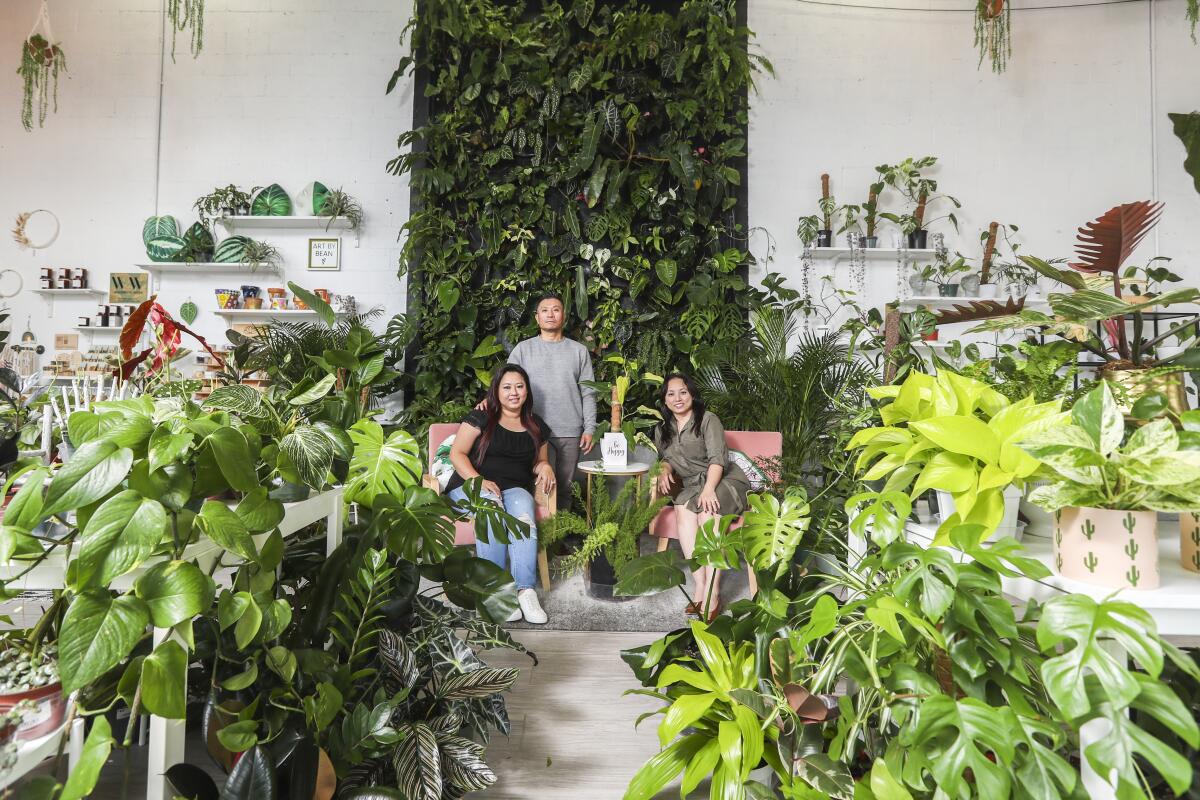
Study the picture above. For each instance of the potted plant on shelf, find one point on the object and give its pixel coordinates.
(339, 204)
(258, 254)
(944, 273)
(1105, 496)
(1108, 324)
(1020, 280)
(227, 201)
(816, 230)
(29, 675)
(907, 179)
(921, 279)
(870, 212)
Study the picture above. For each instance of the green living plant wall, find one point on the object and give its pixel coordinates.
(591, 149)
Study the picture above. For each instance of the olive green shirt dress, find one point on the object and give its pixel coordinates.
(691, 452)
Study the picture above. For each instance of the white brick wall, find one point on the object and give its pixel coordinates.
(283, 92)
(292, 90)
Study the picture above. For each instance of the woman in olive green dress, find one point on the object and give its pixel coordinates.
(692, 450)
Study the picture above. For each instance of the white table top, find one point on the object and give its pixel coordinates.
(598, 468)
(1175, 604)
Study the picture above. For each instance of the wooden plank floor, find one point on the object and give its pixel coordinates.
(572, 728)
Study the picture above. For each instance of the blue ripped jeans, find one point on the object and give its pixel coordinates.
(522, 552)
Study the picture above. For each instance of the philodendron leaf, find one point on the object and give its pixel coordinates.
(260, 512)
(95, 470)
(381, 466)
(84, 774)
(226, 528)
(164, 684)
(174, 591)
(311, 452)
(98, 631)
(1078, 624)
(232, 453)
(120, 534)
(651, 574)
(316, 392)
(236, 399)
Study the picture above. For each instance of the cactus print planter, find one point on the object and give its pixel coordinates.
(1104, 547)
(1189, 540)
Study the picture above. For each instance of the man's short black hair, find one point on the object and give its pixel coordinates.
(544, 296)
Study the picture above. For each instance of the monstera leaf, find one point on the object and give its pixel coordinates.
(157, 227)
(272, 201)
(312, 198)
(197, 244)
(231, 250)
(1187, 128)
(381, 465)
(165, 248)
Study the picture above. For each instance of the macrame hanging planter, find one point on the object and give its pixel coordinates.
(184, 15)
(993, 32)
(42, 59)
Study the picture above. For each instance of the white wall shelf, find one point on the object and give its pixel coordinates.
(97, 328)
(203, 268)
(265, 313)
(872, 253)
(284, 223)
(78, 292)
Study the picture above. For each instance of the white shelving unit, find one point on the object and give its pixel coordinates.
(264, 313)
(114, 329)
(872, 253)
(72, 292)
(208, 268)
(247, 223)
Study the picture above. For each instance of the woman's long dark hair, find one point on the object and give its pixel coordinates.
(666, 428)
(492, 409)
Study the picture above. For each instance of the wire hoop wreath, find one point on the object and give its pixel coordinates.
(20, 283)
(22, 239)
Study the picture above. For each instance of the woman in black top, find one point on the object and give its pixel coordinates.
(506, 444)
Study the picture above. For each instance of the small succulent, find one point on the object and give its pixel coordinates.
(20, 671)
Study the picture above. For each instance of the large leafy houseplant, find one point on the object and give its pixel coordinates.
(613, 140)
(955, 434)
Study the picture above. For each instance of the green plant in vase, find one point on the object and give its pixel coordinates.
(953, 434)
(41, 63)
(907, 179)
(1105, 495)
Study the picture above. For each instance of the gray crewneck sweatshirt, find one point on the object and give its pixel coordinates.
(555, 370)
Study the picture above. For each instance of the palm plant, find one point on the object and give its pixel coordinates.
(811, 391)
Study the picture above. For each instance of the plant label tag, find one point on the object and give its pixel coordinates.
(615, 450)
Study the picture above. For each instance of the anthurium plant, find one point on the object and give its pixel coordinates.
(1157, 469)
(952, 433)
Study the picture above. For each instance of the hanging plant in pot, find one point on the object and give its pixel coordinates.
(1105, 496)
(185, 14)
(993, 33)
(41, 63)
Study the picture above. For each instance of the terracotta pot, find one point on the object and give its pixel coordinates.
(1107, 547)
(1189, 540)
(50, 707)
(252, 302)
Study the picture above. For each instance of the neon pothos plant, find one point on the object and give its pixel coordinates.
(951, 433)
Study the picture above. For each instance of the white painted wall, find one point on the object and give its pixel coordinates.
(291, 90)
(285, 91)
(1077, 125)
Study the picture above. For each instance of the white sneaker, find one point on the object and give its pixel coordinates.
(527, 599)
(515, 616)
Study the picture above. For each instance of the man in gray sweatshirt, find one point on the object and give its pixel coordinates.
(556, 365)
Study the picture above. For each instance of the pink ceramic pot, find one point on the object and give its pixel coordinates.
(1105, 547)
(1189, 540)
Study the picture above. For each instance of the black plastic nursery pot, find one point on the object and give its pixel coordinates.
(869, 242)
(600, 579)
(824, 238)
(948, 290)
(918, 240)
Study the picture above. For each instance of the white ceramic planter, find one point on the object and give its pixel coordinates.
(1189, 540)
(1007, 526)
(988, 291)
(1107, 547)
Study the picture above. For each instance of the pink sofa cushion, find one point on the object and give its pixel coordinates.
(755, 444)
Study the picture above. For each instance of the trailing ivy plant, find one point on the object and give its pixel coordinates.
(185, 14)
(41, 61)
(591, 149)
